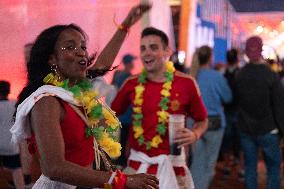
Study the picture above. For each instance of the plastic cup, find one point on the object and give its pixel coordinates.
(176, 122)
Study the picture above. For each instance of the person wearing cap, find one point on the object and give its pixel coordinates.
(121, 75)
(260, 98)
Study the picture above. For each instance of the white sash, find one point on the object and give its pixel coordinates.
(165, 172)
(21, 128)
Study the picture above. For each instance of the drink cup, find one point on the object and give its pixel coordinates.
(176, 121)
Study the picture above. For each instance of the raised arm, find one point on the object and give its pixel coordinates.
(107, 56)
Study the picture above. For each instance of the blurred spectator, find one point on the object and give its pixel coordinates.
(261, 115)
(121, 75)
(231, 140)
(214, 92)
(118, 79)
(9, 153)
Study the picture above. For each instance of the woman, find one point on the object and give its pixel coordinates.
(59, 113)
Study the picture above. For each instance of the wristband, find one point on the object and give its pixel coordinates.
(121, 27)
(119, 180)
(108, 185)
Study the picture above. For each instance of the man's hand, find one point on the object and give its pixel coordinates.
(185, 137)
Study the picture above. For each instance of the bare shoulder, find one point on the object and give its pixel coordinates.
(46, 106)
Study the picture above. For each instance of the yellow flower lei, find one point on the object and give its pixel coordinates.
(162, 114)
(95, 111)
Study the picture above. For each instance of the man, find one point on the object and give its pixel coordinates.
(119, 77)
(214, 92)
(9, 153)
(261, 115)
(154, 94)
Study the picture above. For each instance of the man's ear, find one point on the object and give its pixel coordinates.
(168, 51)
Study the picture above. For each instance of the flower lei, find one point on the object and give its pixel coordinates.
(94, 111)
(162, 114)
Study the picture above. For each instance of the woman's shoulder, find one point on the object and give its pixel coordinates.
(47, 103)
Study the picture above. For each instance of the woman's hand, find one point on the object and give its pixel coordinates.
(135, 14)
(185, 137)
(142, 181)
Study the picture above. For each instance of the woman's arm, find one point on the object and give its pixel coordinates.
(45, 121)
(107, 56)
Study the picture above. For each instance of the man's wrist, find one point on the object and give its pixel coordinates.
(197, 136)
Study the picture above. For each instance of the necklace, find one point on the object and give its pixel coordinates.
(94, 111)
(162, 113)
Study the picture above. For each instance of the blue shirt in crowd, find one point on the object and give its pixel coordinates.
(215, 92)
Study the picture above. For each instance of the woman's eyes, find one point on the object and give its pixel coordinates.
(74, 48)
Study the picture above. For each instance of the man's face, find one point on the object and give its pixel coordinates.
(153, 53)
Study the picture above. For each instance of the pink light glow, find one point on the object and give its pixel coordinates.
(21, 21)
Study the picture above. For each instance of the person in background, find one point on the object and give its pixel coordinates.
(231, 141)
(118, 79)
(215, 92)
(260, 98)
(68, 127)
(9, 153)
(26, 157)
(121, 75)
(154, 94)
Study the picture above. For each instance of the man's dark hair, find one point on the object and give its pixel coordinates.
(4, 88)
(232, 56)
(154, 31)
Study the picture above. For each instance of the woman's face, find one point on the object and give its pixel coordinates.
(70, 55)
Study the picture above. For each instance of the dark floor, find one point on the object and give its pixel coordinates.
(219, 182)
(233, 182)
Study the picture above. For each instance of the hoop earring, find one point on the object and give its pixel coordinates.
(54, 68)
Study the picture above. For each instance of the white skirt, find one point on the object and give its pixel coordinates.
(45, 183)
